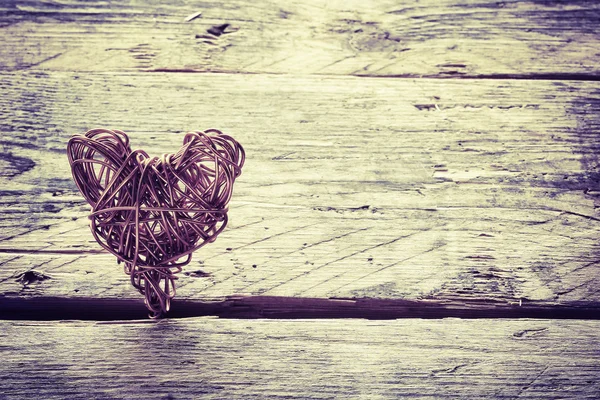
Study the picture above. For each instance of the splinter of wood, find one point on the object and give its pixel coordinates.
(153, 213)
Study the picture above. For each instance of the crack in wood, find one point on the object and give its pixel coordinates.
(534, 76)
(529, 332)
(450, 370)
(52, 251)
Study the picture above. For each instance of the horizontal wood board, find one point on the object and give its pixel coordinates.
(449, 38)
(305, 359)
(354, 187)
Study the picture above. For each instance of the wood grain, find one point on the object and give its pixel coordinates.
(372, 189)
(526, 39)
(354, 187)
(234, 359)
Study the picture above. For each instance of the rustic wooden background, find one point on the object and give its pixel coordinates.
(404, 159)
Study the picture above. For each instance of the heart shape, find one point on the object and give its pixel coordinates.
(152, 212)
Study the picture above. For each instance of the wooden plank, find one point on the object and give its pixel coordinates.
(348, 37)
(234, 359)
(354, 187)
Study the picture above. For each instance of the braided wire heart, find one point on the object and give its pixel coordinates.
(153, 212)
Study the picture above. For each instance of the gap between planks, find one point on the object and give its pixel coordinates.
(554, 76)
(276, 307)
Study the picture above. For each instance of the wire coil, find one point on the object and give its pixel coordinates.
(153, 212)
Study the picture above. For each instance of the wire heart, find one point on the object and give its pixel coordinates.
(152, 212)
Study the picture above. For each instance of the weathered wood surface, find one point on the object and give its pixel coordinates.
(348, 37)
(354, 187)
(216, 358)
(363, 197)
(258, 359)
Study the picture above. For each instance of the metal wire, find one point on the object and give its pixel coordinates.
(153, 212)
